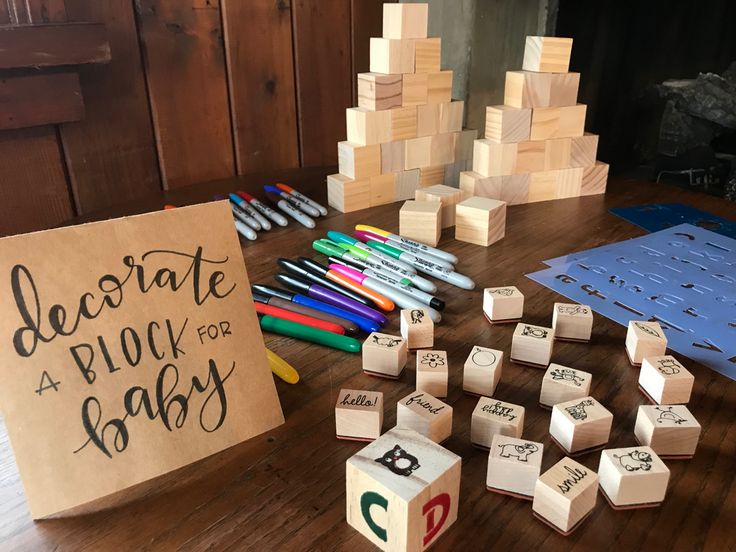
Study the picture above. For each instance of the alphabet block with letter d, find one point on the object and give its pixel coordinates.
(402, 490)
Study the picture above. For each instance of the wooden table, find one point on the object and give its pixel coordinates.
(285, 490)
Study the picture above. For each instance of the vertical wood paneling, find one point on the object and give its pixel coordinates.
(111, 154)
(323, 68)
(185, 69)
(366, 20)
(261, 77)
(48, 11)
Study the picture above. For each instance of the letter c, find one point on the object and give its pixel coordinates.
(367, 500)
(442, 501)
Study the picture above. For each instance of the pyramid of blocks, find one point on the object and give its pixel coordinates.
(535, 147)
(406, 132)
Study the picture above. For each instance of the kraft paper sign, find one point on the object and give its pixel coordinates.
(128, 348)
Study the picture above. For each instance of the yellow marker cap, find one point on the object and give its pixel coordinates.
(281, 368)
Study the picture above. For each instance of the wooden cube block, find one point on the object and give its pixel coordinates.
(482, 371)
(428, 119)
(377, 91)
(594, 179)
(632, 477)
(503, 304)
(391, 56)
(583, 150)
(572, 322)
(494, 158)
(348, 195)
(432, 372)
(563, 89)
(580, 425)
(672, 431)
(530, 157)
(426, 415)
(417, 152)
(442, 149)
(557, 154)
(431, 176)
(357, 162)
(514, 466)
(569, 182)
(464, 144)
(665, 381)
(543, 186)
(405, 20)
(532, 345)
(417, 328)
(547, 54)
(446, 195)
(439, 87)
(407, 182)
(421, 221)
(507, 124)
(427, 55)
(392, 156)
(565, 495)
(403, 123)
(384, 355)
(402, 490)
(562, 384)
(513, 189)
(530, 89)
(493, 417)
(480, 220)
(383, 189)
(558, 122)
(359, 415)
(365, 127)
(451, 116)
(414, 89)
(452, 173)
(644, 339)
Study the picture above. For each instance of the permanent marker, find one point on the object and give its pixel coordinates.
(292, 267)
(286, 304)
(293, 212)
(305, 199)
(449, 257)
(265, 209)
(264, 308)
(369, 236)
(305, 333)
(281, 368)
(298, 203)
(340, 238)
(239, 214)
(245, 206)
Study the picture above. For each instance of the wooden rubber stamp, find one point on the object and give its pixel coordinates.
(384, 355)
(565, 495)
(426, 415)
(644, 339)
(402, 490)
(432, 372)
(580, 425)
(482, 371)
(359, 415)
(671, 431)
(514, 466)
(665, 381)
(632, 477)
(491, 417)
(417, 328)
(502, 305)
(563, 384)
(572, 322)
(532, 345)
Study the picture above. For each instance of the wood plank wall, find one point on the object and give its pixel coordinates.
(196, 90)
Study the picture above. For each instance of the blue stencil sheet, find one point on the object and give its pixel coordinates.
(660, 216)
(683, 277)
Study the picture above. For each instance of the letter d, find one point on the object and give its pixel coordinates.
(441, 501)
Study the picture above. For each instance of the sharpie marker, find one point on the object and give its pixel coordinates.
(340, 238)
(293, 212)
(243, 204)
(168, 207)
(281, 368)
(292, 267)
(298, 203)
(305, 199)
(305, 333)
(265, 209)
(239, 214)
(284, 314)
(369, 236)
(450, 258)
(347, 326)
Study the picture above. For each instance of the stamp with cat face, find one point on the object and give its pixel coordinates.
(632, 477)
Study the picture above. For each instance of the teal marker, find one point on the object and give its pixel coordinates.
(339, 237)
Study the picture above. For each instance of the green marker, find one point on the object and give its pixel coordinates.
(306, 333)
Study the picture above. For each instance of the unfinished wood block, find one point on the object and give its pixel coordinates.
(452, 173)
(383, 189)
(414, 89)
(365, 127)
(405, 20)
(532, 345)
(569, 182)
(451, 116)
(644, 339)
(348, 195)
(562, 384)
(583, 150)
(417, 152)
(530, 89)
(428, 119)
(442, 149)
(513, 189)
(493, 417)
(514, 466)
(565, 495)
(432, 372)
(572, 322)
(632, 477)
(464, 144)
(558, 122)
(402, 490)
(384, 355)
(503, 304)
(425, 414)
(507, 124)
(427, 55)
(665, 381)
(580, 425)
(391, 56)
(392, 156)
(672, 431)
(494, 158)
(356, 161)
(407, 182)
(359, 414)
(377, 91)
(530, 157)
(480, 220)
(446, 195)
(482, 371)
(594, 179)
(563, 89)
(421, 221)
(403, 123)
(431, 176)
(417, 328)
(439, 87)
(547, 54)
(557, 154)
(555, 184)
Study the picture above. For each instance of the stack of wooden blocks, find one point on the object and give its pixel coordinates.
(535, 147)
(406, 132)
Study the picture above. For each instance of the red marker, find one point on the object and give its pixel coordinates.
(265, 209)
(276, 312)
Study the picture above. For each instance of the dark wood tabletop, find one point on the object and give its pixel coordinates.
(285, 490)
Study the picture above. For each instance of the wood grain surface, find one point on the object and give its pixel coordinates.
(285, 490)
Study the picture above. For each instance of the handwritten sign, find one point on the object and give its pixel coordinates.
(128, 348)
